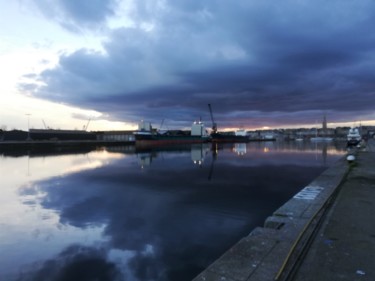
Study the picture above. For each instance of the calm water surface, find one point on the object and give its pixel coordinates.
(141, 215)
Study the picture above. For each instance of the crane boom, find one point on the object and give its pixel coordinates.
(87, 125)
(44, 123)
(214, 126)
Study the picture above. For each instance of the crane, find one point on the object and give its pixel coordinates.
(87, 125)
(44, 123)
(161, 125)
(214, 126)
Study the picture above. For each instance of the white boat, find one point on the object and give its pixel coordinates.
(269, 136)
(353, 137)
(240, 132)
(299, 137)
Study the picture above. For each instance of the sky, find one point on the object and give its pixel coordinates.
(108, 64)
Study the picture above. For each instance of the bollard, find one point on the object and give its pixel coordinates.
(350, 158)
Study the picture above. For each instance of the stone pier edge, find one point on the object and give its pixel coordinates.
(265, 253)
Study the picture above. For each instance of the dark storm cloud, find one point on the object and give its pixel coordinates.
(255, 61)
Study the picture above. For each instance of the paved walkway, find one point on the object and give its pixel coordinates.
(344, 247)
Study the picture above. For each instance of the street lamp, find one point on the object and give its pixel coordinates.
(28, 126)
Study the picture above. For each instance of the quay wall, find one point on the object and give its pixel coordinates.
(270, 252)
(58, 143)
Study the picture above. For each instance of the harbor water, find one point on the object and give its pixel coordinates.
(142, 214)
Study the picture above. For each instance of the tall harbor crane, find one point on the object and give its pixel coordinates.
(44, 123)
(214, 126)
(87, 125)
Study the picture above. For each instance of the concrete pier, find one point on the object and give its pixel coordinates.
(325, 232)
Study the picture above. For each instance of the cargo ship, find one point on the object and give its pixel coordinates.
(146, 135)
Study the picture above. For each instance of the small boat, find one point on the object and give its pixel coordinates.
(146, 135)
(299, 137)
(353, 137)
(269, 137)
(321, 139)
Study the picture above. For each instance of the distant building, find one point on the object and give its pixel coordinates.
(341, 132)
(13, 135)
(368, 131)
(50, 134)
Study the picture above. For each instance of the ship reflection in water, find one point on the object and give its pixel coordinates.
(198, 153)
(240, 148)
(150, 214)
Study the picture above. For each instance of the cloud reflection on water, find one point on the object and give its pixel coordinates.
(169, 220)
